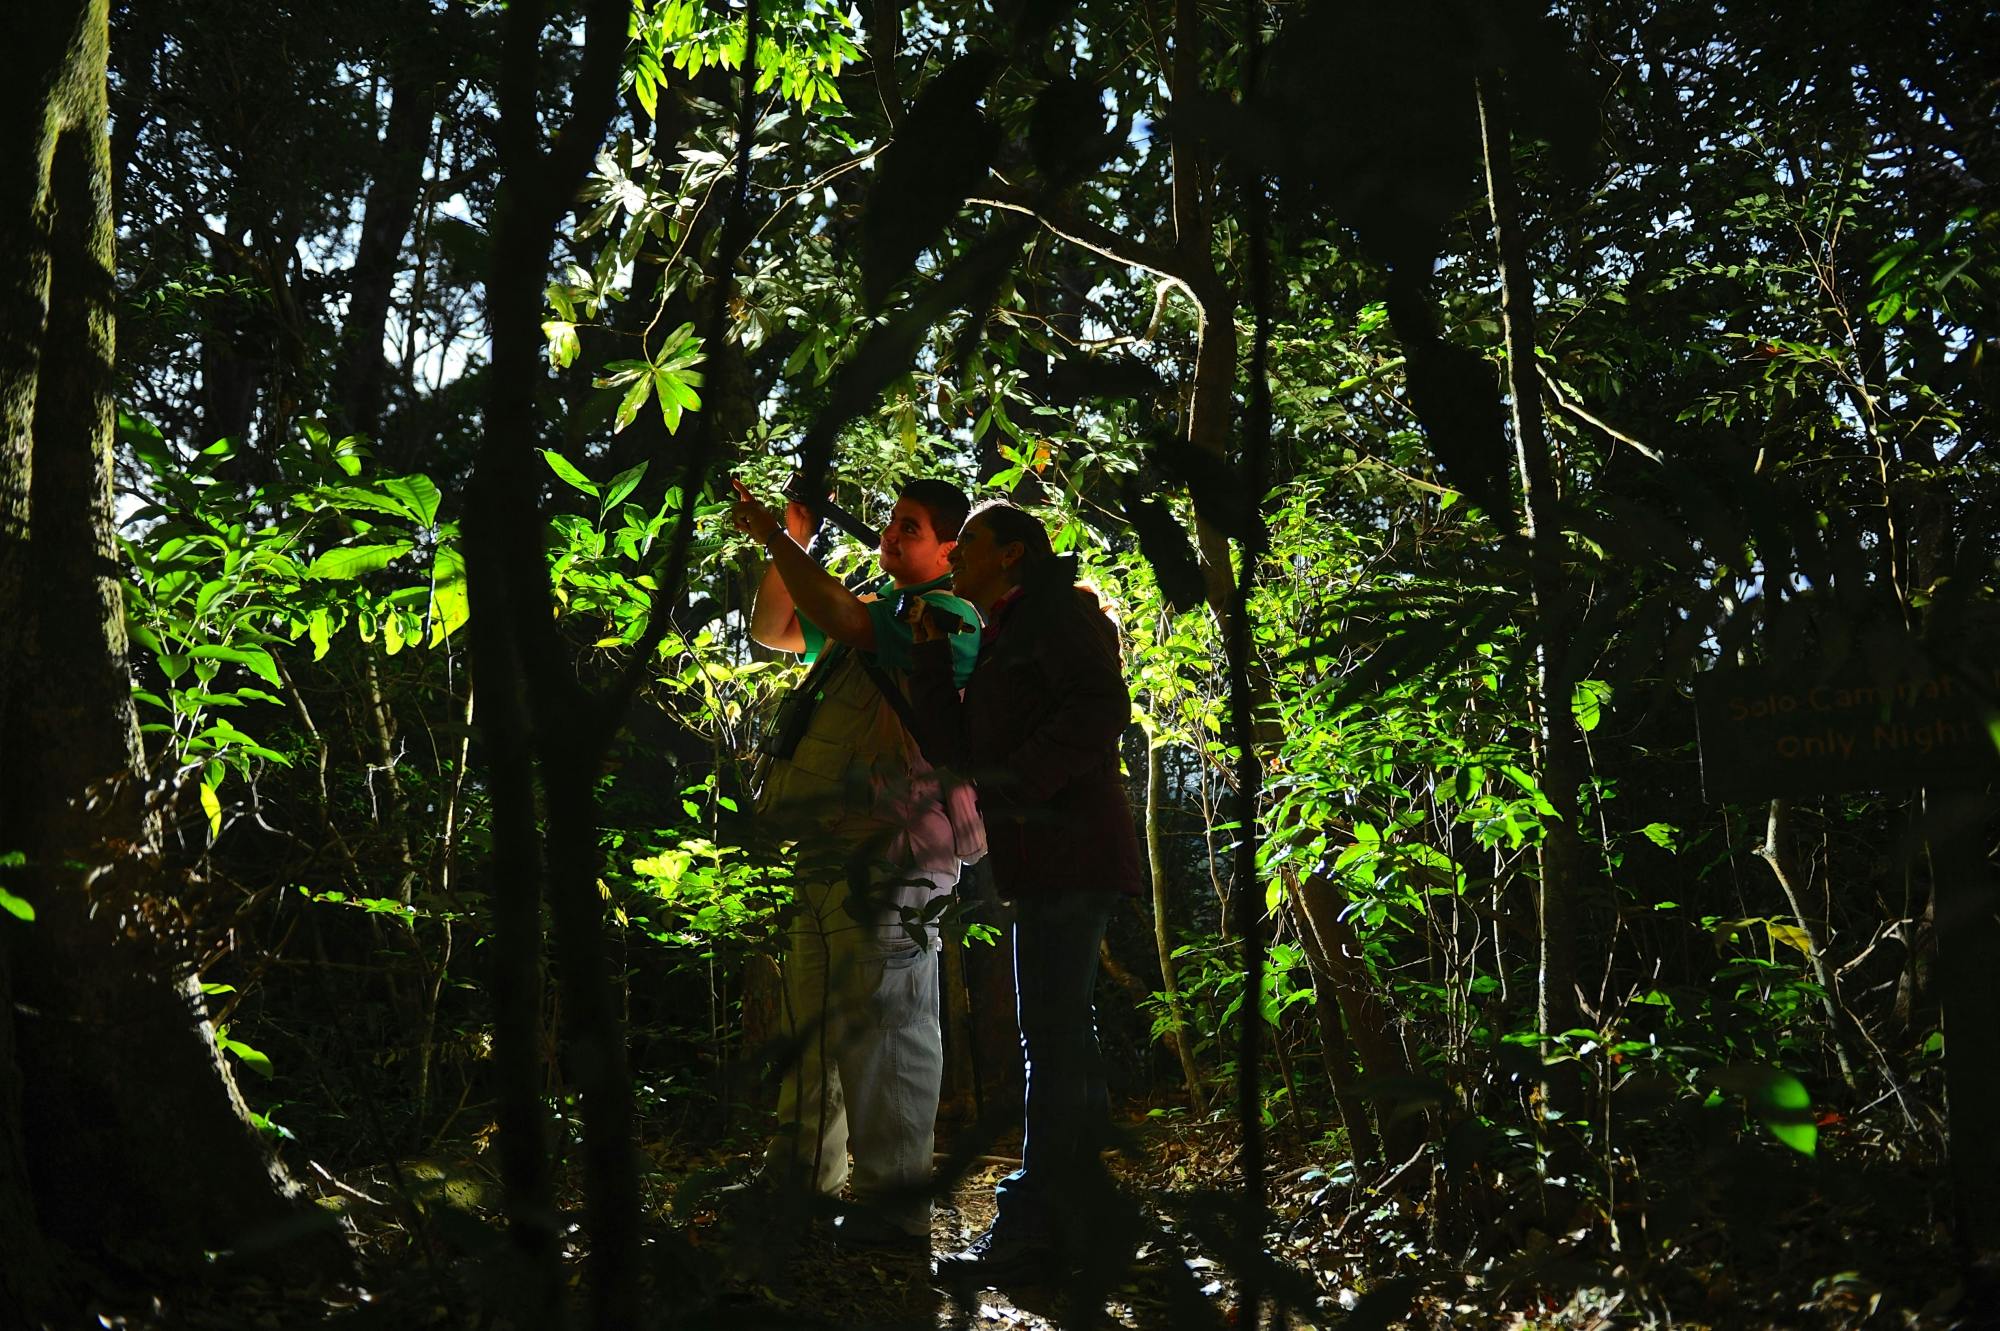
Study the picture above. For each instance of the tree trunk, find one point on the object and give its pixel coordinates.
(230, 358)
(1156, 860)
(120, 1127)
(1560, 764)
(1776, 852)
(392, 203)
(539, 720)
(1959, 831)
(1337, 1053)
(1335, 956)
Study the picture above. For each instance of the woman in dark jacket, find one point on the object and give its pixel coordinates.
(1037, 730)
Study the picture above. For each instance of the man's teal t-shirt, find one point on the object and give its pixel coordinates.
(893, 638)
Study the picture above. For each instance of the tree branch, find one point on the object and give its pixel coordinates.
(1202, 287)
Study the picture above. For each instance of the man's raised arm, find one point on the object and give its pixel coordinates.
(793, 583)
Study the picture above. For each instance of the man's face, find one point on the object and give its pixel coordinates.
(911, 552)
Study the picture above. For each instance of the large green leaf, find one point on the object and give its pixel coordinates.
(566, 470)
(623, 484)
(418, 495)
(256, 658)
(254, 1059)
(351, 561)
(1588, 702)
(450, 604)
(350, 497)
(635, 398)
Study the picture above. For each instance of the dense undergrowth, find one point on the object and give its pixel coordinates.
(1693, 1155)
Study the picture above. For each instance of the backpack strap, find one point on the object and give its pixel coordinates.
(796, 711)
(890, 693)
(961, 803)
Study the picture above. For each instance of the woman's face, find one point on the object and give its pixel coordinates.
(981, 567)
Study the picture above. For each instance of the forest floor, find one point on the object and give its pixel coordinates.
(1337, 1254)
(1372, 1255)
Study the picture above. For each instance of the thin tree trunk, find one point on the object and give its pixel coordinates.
(1775, 852)
(1337, 1053)
(1246, 691)
(1335, 954)
(1212, 403)
(381, 727)
(533, 1227)
(391, 205)
(1959, 829)
(1560, 765)
(1156, 860)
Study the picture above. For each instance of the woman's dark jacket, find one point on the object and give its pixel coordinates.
(1037, 730)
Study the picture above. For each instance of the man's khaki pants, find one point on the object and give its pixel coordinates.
(861, 1005)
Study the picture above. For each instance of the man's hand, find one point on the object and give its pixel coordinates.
(793, 584)
(754, 518)
(750, 516)
(801, 523)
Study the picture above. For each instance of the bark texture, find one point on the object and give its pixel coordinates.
(121, 1132)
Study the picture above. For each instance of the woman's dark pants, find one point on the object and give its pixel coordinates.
(1061, 1181)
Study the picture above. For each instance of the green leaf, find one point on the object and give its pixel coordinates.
(623, 484)
(212, 806)
(253, 1059)
(563, 344)
(147, 444)
(567, 472)
(16, 907)
(562, 302)
(418, 494)
(256, 658)
(320, 626)
(347, 498)
(270, 1129)
(347, 562)
(1588, 702)
(635, 398)
(349, 453)
(1780, 1100)
(450, 606)
(620, 372)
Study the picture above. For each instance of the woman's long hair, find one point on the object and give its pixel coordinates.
(1041, 567)
(1009, 525)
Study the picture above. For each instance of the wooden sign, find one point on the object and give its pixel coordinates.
(1821, 729)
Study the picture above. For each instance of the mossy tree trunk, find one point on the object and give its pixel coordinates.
(121, 1131)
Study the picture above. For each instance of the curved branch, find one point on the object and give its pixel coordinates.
(1202, 287)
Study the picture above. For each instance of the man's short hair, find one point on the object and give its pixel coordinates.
(946, 504)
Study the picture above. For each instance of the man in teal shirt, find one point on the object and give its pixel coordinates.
(865, 810)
